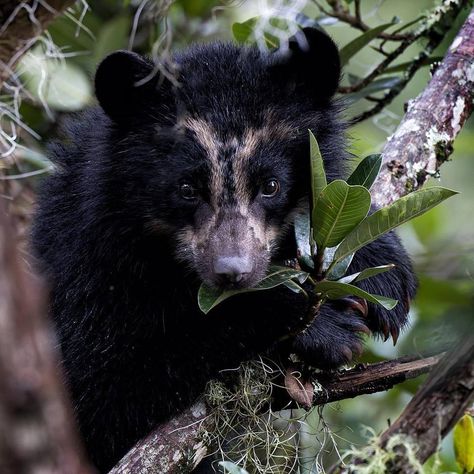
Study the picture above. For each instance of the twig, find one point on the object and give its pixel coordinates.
(174, 446)
(38, 431)
(343, 14)
(434, 31)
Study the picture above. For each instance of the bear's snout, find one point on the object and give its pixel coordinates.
(232, 270)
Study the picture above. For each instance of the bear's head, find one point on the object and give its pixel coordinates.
(216, 152)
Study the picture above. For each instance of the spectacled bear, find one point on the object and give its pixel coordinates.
(177, 180)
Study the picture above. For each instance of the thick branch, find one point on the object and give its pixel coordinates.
(424, 138)
(438, 405)
(20, 24)
(36, 422)
(432, 412)
(174, 446)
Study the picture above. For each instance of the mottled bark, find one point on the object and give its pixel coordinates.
(37, 433)
(173, 447)
(442, 400)
(177, 446)
(437, 406)
(371, 378)
(21, 22)
(424, 138)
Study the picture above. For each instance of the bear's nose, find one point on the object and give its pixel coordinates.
(232, 268)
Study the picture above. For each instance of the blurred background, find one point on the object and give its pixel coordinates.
(57, 79)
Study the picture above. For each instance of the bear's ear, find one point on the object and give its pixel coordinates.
(311, 62)
(125, 82)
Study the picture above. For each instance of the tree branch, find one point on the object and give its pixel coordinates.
(37, 427)
(174, 446)
(342, 13)
(423, 140)
(20, 25)
(438, 405)
(432, 412)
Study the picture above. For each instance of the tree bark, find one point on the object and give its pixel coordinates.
(175, 447)
(437, 406)
(424, 139)
(37, 428)
(20, 25)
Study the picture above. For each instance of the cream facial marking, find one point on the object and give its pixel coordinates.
(209, 140)
(243, 150)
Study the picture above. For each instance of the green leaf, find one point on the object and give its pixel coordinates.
(113, 35)
(340, 208)
(366, 273)
(464, 443)
(335, 290)
(294, 287)
(60, 85)
(402, 66)
(328, 257)
(387, 218)
(339, 269)
(407, 25)
(374, 87)
(243, 31)
(231, 468)
(358, 43)
(318, 175)
(366, 171)
(303, 239)
(209, 298)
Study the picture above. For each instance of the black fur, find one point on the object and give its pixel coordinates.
(136, 349)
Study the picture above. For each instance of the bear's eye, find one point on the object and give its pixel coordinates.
(270, 188)
(188, 191)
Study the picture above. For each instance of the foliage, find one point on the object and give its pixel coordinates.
(339, 226)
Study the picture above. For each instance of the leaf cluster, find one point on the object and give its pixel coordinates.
(337, 225)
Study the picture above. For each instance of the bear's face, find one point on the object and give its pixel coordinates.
(240, 193)
(224, 149)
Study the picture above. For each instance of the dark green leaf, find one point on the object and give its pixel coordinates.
(318, 175)
(374, 87)
(401, 67)
(339, 269)
(358, 43)
(208, 297)
(303, 239)
(340, 208)
(366, 171)
(293, 286)
(328, 257)
(407, 25)
(387, 218)
(366, 273)
(113, 35)
(335, 290)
